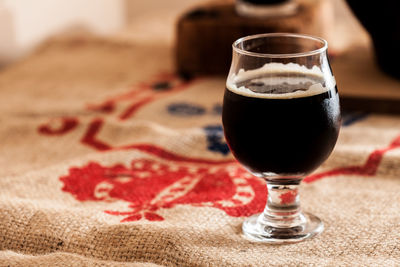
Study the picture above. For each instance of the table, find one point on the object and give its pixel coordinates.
(109, 159)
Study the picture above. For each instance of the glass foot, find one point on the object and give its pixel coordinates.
(255, 230)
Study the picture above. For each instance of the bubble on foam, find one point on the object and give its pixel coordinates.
(256, 75)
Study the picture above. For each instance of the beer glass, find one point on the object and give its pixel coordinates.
(281, 119)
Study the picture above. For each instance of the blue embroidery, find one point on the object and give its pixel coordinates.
(217, 109)
(161, 86)
(189, 109)
(215, 141)
(185, 109)
(348, 118)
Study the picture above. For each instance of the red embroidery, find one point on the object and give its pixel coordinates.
(89, 137)
(221, 184)
(142, 94)
(368, 169)
(134, 107)
(162, 153)
(67, 124)
(105, 107)
(150, 185)
(288, 197)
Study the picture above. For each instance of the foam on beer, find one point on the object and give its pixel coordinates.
(256, 75)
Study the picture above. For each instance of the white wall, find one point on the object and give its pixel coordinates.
(25, 23)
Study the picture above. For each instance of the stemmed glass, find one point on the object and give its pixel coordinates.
(281, 119)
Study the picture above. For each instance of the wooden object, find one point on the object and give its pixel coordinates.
(205, 34)
(362, 85)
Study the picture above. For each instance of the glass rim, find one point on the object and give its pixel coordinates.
(285, 55)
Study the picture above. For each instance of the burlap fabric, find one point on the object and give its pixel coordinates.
(108, 159)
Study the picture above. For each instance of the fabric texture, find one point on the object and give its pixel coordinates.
(109, 159)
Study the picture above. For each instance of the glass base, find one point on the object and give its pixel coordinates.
(255, 230)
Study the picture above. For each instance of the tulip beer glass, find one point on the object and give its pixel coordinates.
(281, 119)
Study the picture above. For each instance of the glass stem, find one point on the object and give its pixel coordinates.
(283, 204)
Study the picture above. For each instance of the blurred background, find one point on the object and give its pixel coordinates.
(25, 24)
(362, 36)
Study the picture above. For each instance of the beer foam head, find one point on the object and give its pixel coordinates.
(279, 77)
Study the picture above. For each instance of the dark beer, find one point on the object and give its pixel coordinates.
(281, 124)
